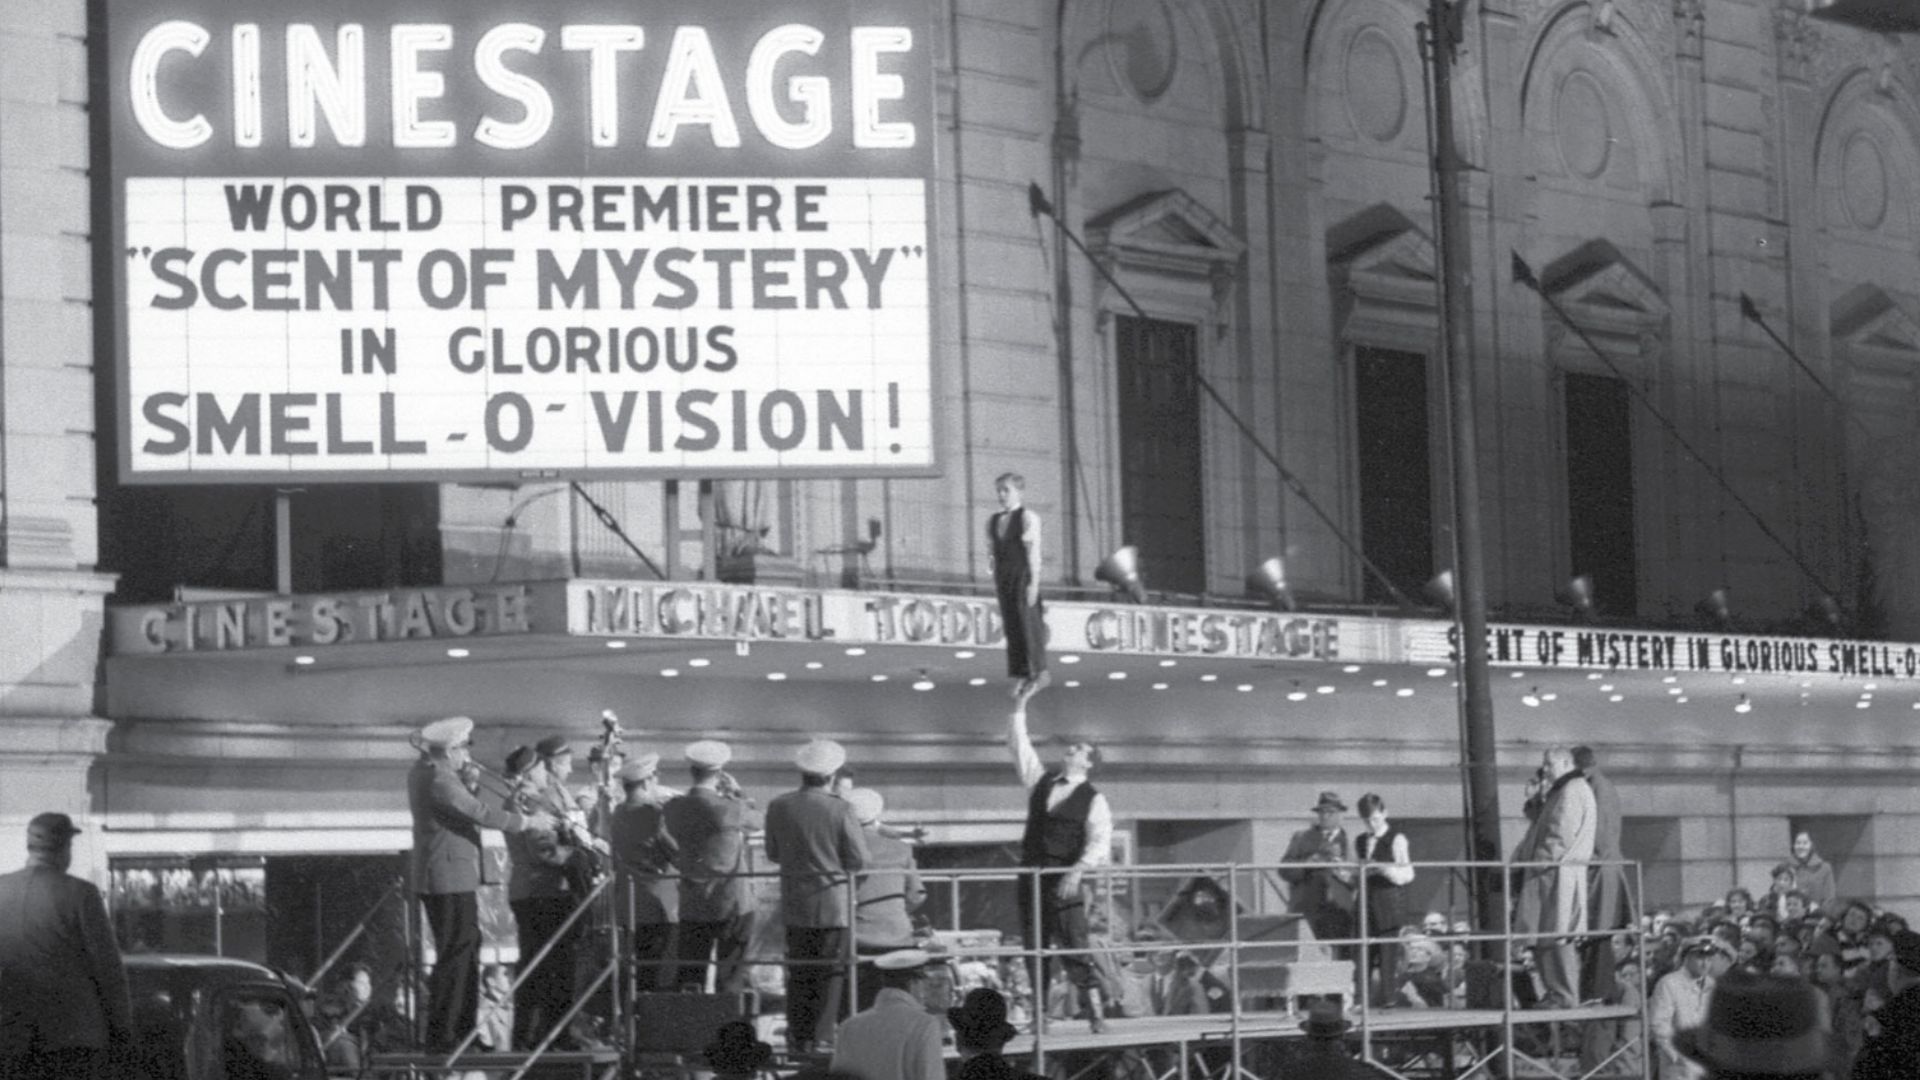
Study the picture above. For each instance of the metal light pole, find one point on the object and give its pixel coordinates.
(1443, 30)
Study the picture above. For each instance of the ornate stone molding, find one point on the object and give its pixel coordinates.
(1169, 233)
(1690, 23)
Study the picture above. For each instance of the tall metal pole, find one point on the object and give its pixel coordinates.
(1469, 570)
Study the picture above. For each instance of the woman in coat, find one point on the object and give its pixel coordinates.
(1811, 874)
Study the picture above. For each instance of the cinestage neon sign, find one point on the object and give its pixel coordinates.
(330, 82)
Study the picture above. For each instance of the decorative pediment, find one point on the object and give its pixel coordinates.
(1596, 276)
(1866, 317)
(1383, 270)
(1168, 232)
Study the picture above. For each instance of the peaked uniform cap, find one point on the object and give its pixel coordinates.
(553, 746)
(449, 732)
(902, 960)
(821, 757)
(867, 804)
(640, 768)
(709, 754)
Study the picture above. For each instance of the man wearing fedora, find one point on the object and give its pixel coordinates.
(896, 1039)
(1895, 1050)
(1770, 1026)
(1322, 892)
(63, 990)
(736, 1054)
(1069, 828)
(647, 900)
(709, 826)
(448, 868)
(816, 841)
(1325, 1056)
(981, 1033)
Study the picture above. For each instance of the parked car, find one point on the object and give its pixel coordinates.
(212, 1018)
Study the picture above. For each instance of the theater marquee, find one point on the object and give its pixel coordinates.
(433, 240)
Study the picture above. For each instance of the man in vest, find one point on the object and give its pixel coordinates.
(1069, 828)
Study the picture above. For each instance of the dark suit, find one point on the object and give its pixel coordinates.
(447, 868)
(63, 991)
(816, 840)
(1606, 890)
(1326, 901)
(540, 892)
(648, 897)
(716, 902)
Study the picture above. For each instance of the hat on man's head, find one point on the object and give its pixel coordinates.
(709, 754)
(1906, 950)
(443, 734)
(981, 1019)
(1761, 1025)
(902, 960)
(1329, 801)
(639, 768)
(520, 759)
(1325, 1020)
(821, 757)
(735, 1050)
(50, 832)
(553, 746)
(1708, 944)
(867, 804)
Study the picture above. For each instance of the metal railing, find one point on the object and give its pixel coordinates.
(1253, 969)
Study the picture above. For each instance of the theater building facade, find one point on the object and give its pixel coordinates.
(215, 666)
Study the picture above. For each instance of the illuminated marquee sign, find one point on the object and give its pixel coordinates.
(436, 240)
(358, 618)
(1608, 649)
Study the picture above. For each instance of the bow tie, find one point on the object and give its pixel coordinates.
(1060, 781)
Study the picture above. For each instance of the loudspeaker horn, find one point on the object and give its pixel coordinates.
(1715, 609)
(1269, 582)
(1439, 589)
(1122, 571)
(1577, 594)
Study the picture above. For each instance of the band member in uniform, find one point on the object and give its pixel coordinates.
(541, 894)
(709, 826)
(816, 841)
(888, 893)
(1069, 826)
(448, 869)
(1013, 537)
(648, 900)
(575, 834)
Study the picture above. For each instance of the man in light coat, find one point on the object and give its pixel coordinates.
(63, 990)
(887, 894)
(896, 1039)
(1553, 898)
(1606, 885)
(816, 841)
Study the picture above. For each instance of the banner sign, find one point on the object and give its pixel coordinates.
(321, 620)
(442, 240)
(1598, 649)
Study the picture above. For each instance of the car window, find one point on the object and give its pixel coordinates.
(260, 1036)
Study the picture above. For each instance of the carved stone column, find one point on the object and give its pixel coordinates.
(50, 596)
